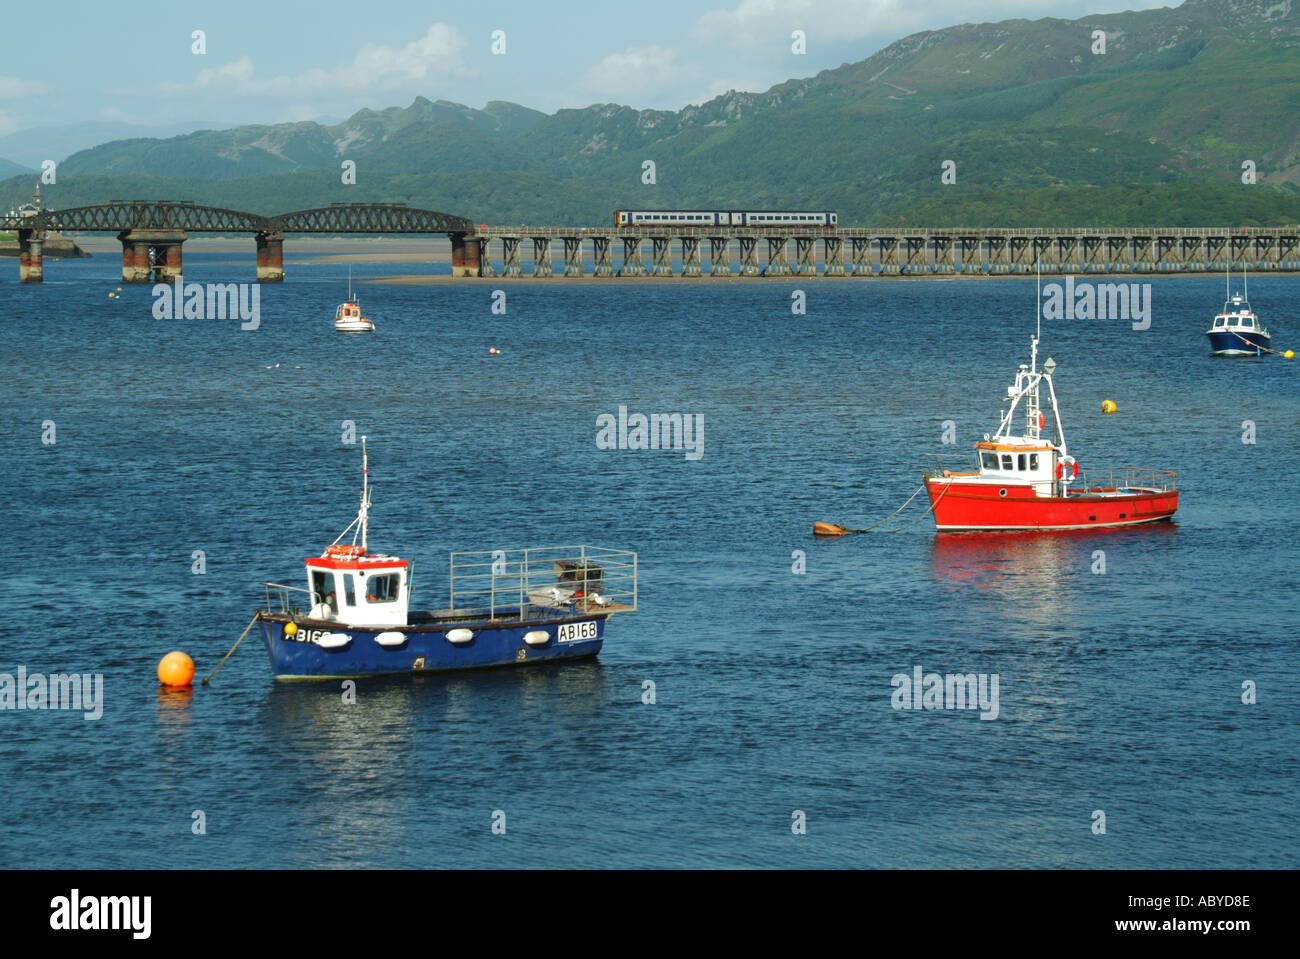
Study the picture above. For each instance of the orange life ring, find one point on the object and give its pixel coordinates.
(1074, 470)
(343, 551)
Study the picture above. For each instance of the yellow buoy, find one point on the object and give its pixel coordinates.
(291, 629)
(1289, 354)
(175, 669)
(1108, 406)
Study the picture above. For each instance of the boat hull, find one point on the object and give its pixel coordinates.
(965, 507)
(310, 652)
(1243, 343)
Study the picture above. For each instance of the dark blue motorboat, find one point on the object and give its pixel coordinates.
(507, 607)
(1237, 331)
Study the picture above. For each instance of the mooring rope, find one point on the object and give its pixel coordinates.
(923, 515)
(832, 529)
(1256, 345)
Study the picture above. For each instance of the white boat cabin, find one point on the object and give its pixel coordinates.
(355, 589)
(1018, 461)
(349, 312)
(1236, 315)
(1029, 458)
(351, 586)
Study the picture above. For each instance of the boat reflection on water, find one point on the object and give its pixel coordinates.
(1030, 571)
(402, 704)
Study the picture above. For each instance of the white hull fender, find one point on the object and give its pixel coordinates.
(460, 636)
(334, 640)
(537, 637)
(390, 639)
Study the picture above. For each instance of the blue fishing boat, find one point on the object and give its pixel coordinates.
(1237, 331)
(506, 607)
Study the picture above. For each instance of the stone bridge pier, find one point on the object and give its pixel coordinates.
(466, 256)
(166, 246)
(30, 265)
(270, 257)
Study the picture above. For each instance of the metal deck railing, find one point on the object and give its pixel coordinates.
(509, 581)
(282, 592)
(1124, 478)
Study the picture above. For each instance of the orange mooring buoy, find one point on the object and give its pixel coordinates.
(828, 529)
(175, 669)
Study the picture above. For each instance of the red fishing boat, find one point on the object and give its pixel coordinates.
(1025, 479)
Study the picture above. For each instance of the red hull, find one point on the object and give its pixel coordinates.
(982, 506)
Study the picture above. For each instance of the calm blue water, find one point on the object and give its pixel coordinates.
(1118, 692)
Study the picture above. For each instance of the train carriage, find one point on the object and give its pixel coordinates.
(822, 218)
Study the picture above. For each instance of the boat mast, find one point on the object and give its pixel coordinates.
(365, 492)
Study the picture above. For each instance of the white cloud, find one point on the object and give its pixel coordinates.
(374, 67)
(11, 87)
(636, 71)
(238, 72)
(8, 124)
(436, 53)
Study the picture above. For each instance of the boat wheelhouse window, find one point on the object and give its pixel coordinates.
(1021, 462)
(989, 461)
(322, 589)
(1006, 461)
(1033, 461)
(384, 588)
(349, 594)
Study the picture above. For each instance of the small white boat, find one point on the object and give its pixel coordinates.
(348, 318)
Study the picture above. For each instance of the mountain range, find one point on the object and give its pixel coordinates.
(1040, 129)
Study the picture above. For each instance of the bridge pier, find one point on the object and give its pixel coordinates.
(30, 263)
(466, 256)
(270, 257)
(720, 256)
(603, 263)
(541, 256)
(633, 265)
(166, 263)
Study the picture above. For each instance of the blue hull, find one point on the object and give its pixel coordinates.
(425, 647)
(1245, 343)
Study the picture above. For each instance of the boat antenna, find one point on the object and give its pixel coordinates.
(365, 493)
(1038, 300)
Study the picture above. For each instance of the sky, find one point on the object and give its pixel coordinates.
(83, 62)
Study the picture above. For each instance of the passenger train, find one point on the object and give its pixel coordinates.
(724, 218)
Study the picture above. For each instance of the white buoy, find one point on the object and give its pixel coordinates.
(334, 640)
(459, 636)
(536, 637)
(390, 639)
